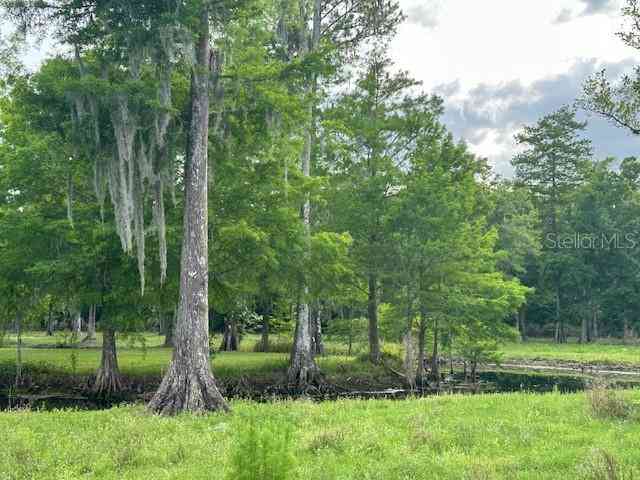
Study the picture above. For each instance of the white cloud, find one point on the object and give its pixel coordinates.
(501, 64)
(425, 14)
(589, 7)
(488, 116)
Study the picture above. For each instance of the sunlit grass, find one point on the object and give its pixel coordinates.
(142, 354)
(147, 358)
(599, 353)
(516, 436)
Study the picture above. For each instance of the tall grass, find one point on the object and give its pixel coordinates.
(514, 437)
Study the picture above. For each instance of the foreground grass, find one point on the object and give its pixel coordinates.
(517, 436)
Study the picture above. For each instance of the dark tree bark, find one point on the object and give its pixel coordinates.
(18, 379)
(522, 323)
(474, 372)
(267, 310)
(264, 333)
(302, 366)
(189, 384)
(108, 378)
(628, 332)
(50, 326)
(559, 335)
(372, 311)
(422, 347)
(318, 344)
(77, 325)
(584, 330)
(230, 337)
(303, 370)
(168, 327)
(90, 338)
(435, 359)
(350, 333)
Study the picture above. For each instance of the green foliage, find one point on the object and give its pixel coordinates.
(263, 451)
(608, 403)
(602, 465)
(478, 349)
(348, 331)
(392, 322)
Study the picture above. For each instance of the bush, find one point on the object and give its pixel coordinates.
(605, 402)
(601, 465)
(263, 451)
(329, 440)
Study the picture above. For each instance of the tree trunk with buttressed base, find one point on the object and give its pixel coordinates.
(189, 384)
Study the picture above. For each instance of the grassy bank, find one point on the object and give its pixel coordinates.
(149, 358)
(143, 356)
(137, 363)
(597, 353)
(515, 436)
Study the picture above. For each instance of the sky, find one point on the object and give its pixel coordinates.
(503, 64)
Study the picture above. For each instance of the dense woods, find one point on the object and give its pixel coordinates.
(263, 167)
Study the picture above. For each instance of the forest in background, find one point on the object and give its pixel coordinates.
(269, 156)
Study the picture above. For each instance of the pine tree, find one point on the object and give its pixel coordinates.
(551, 166)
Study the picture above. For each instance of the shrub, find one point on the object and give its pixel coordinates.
(263, 451)
(601, 465)
(330, 440)
(605, 402)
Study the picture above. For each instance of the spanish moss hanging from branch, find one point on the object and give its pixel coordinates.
(140, 165)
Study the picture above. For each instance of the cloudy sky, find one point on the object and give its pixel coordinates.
(500, 64)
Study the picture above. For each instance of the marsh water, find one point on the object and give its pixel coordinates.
(487, 383)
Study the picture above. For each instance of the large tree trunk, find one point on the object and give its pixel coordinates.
(189, 384)
(77, 326)
(372, 313)
(350, 333)
(169, 326)
(302, 366)
(108, 379)
(318, 344)
(584, 330)
(50, 327)
(18, 379)
(522, 322)
(264, 331)
(90, 339)
(628, 333)
(435, 359)
(230, 340)
(422, 347)
(559, 334)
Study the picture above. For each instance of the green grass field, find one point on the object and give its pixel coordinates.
(141, 355)
(152, 360)
(597, 353)
(516, 436)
